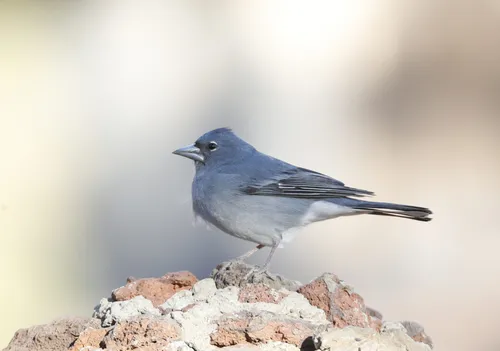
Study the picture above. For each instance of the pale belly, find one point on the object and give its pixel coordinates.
(265, 220)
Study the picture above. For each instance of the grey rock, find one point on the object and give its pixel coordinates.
(110, 312)
(211, 312)
(389, 326)
(200, 321)
(374, 313)
(278, 346)
(366, 339)
(179, 346)
(417, 332)
(241, 347)
(55, 336)
(234, 273)
(178, 301)
(204, 289)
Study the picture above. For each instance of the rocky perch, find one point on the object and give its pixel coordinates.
(228, 311)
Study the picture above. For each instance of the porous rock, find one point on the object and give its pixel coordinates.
(110, 312)
(204, 325)
(367, 339)
(186, 299)
(90, 338)
(55, 336)
(417, 332)
(261, 293)
(258, 328)
(343, 307)
(157, 290)
(177, 345)
(238, 273)
(260, 312)
(144, 333)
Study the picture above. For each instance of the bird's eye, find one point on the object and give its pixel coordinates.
(212, 145)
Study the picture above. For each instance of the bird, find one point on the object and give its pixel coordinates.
(256, 197)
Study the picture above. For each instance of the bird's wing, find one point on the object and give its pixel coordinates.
(302, 183)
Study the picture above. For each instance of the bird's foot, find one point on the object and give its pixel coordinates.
(255, 271)
(251, 273)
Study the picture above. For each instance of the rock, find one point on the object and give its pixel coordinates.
(204, 289)
(263, 312)
(289, 331)
(185, 299)
(55, 336)
(412, 329)
(178, 346)
(110, 312)
(234, 273)
(89, 338)
(269, 346)
(375, 318)
(230, 331)
(178, 301)
(260, 328)
(279, 346)
(144, 333)
(374, 313)
(417, 333)
(261, 293)
(241, 347)
(201, 329)
(343, 307)
(366, 339)
(393, 326)
(157, 290)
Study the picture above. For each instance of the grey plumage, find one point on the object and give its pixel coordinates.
(258, 198)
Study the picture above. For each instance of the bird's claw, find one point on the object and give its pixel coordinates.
(254, 272)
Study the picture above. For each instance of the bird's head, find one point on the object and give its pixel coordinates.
(217, 147)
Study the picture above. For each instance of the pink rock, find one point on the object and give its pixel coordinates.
(342, 306)
(158, 290)
(260, 293)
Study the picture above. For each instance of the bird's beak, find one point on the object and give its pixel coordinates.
(191, 152)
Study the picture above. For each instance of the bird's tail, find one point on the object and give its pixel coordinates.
(393, 210)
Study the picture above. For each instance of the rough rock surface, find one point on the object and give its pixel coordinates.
(341, 304)
(261, 293)
(57, 335)
(234, 273)
(90, 338)
(157, 290)
(146, 333)
(260, 328)
(417, 333)
(367, 339)
(236, 310)
(110, 312)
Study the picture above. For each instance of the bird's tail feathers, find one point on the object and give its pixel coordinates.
(394, 210)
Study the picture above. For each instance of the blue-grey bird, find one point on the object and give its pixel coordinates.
(258, 198)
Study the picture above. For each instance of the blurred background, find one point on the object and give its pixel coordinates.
(398, 97)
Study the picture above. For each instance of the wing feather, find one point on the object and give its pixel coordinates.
(303, 183)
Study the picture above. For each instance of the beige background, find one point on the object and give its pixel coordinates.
(398, 97)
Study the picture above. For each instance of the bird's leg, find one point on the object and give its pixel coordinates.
(249, 253)
(242, 257)
(266, 265)
(268, 261)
